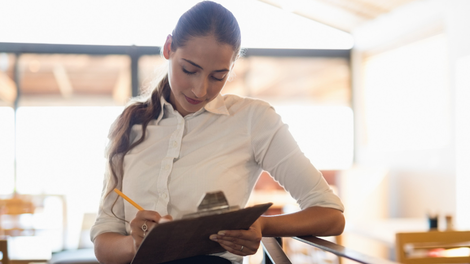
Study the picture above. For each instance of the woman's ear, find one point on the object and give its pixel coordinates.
(234, 61)
(231, 73)
(233, 65)
(167, 47)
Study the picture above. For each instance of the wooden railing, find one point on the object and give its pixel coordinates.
(276, 255)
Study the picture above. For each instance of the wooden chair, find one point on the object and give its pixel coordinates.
(4, 252)
(433, 247)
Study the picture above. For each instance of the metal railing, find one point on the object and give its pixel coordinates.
(276, 255)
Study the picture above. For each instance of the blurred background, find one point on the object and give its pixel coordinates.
(376, 93)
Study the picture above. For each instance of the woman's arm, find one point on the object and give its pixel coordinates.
(117, 248)
(114, 248)
(317, 221)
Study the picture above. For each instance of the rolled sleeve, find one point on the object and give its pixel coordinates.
(106, 222)
(279, 154)
(305, 183)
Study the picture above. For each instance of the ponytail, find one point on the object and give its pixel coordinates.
(136, 113)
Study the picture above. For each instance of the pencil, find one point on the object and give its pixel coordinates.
(128, 199)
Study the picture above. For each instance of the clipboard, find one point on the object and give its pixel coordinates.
(189, 237)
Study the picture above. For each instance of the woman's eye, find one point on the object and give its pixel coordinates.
(188, 72)
(217, 79)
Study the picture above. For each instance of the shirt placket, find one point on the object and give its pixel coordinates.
(174, 147)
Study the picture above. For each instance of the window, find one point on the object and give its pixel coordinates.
(56, 79)
(313, 97)
(7, 143)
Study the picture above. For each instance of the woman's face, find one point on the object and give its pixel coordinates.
(197, 72)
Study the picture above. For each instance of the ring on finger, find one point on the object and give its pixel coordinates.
(241, 249)
(145, 228)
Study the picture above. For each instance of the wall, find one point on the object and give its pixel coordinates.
(422, 180)
(458, 30)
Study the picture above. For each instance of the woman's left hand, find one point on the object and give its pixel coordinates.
(240, 242)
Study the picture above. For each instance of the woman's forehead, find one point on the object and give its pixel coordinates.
(207, 51)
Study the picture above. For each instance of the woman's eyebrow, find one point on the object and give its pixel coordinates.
(196, 65)
(193, 64)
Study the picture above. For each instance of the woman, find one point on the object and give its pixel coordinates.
(187, 139)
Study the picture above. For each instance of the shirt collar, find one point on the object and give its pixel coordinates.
(164, 105)
(216, 106)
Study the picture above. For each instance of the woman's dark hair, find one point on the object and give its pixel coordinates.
(207, 18)
(203, 19)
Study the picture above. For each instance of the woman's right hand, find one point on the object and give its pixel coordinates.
(143, 222)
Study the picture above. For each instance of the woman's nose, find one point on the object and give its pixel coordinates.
(200, 90)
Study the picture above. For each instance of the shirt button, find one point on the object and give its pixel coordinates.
(167, 167)
(164, 195)
(175, 144)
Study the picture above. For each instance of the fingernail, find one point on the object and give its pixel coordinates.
(163, 220)
(213, 237)
(222, 233)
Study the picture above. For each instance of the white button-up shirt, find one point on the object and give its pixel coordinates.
(224, 146)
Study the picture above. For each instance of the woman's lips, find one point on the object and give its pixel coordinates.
(192, 101)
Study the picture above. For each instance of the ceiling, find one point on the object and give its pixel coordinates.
(56, 75)
(148, 22)
(341, 14)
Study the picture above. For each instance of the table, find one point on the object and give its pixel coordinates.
(28, 249)
(377, 236)
(384, 230)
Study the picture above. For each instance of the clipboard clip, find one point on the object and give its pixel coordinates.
(212, 203)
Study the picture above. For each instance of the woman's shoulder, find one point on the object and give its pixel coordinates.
(240, 103)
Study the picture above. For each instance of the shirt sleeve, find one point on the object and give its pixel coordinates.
(278, 153)
(106, 222)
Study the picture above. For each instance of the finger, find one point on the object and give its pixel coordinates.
(143, 222)
(249, 234)
(233, 250)
(142, 216)
(146, 228)
(238, 249)
(241, 237)
(164, 219)
(233, 233)
(148, 215)
(238, 246)
(169, 217)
